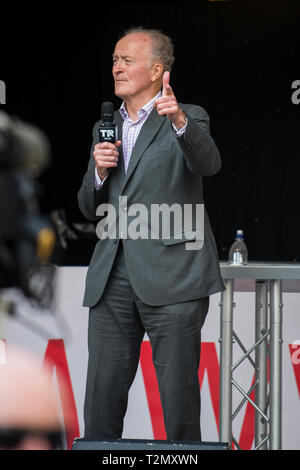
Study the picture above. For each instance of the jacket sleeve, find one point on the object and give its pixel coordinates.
(199, 149)
(88, 197)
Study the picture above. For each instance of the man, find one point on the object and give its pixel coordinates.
(156, 284)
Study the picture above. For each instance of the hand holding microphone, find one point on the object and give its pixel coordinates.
(106, 151)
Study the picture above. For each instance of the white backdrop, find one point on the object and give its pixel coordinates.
(62, 338)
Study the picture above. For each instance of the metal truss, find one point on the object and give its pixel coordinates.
(267, 348)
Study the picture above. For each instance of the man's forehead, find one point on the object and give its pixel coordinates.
(133, 41)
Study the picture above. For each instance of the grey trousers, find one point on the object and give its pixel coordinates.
(116, 329)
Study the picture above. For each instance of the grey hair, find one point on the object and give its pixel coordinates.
(162, 45)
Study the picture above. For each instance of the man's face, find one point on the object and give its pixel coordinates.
(132, 66)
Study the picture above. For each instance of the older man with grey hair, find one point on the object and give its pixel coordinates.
(154, 285)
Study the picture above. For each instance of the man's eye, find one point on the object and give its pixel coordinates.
(126, 61)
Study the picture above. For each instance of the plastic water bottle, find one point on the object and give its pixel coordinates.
(238, 253)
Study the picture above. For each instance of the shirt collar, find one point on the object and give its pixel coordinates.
(144, 111)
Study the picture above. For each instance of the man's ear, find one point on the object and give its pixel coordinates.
(157, 71)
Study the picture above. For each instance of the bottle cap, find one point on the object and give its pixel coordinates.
(239, 234)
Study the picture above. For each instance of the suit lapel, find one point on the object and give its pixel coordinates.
(120, 167)
(146, 135)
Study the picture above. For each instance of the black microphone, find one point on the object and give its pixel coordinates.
(108, 131)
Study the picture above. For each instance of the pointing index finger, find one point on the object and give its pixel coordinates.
(167, 90)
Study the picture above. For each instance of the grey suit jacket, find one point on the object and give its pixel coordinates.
(163, 169)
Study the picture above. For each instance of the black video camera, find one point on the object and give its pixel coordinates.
(26, 237)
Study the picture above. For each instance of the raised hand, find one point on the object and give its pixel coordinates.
(167, 104)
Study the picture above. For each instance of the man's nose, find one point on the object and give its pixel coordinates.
(118, 66)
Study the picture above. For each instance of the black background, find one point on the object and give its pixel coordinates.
(236, 58)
